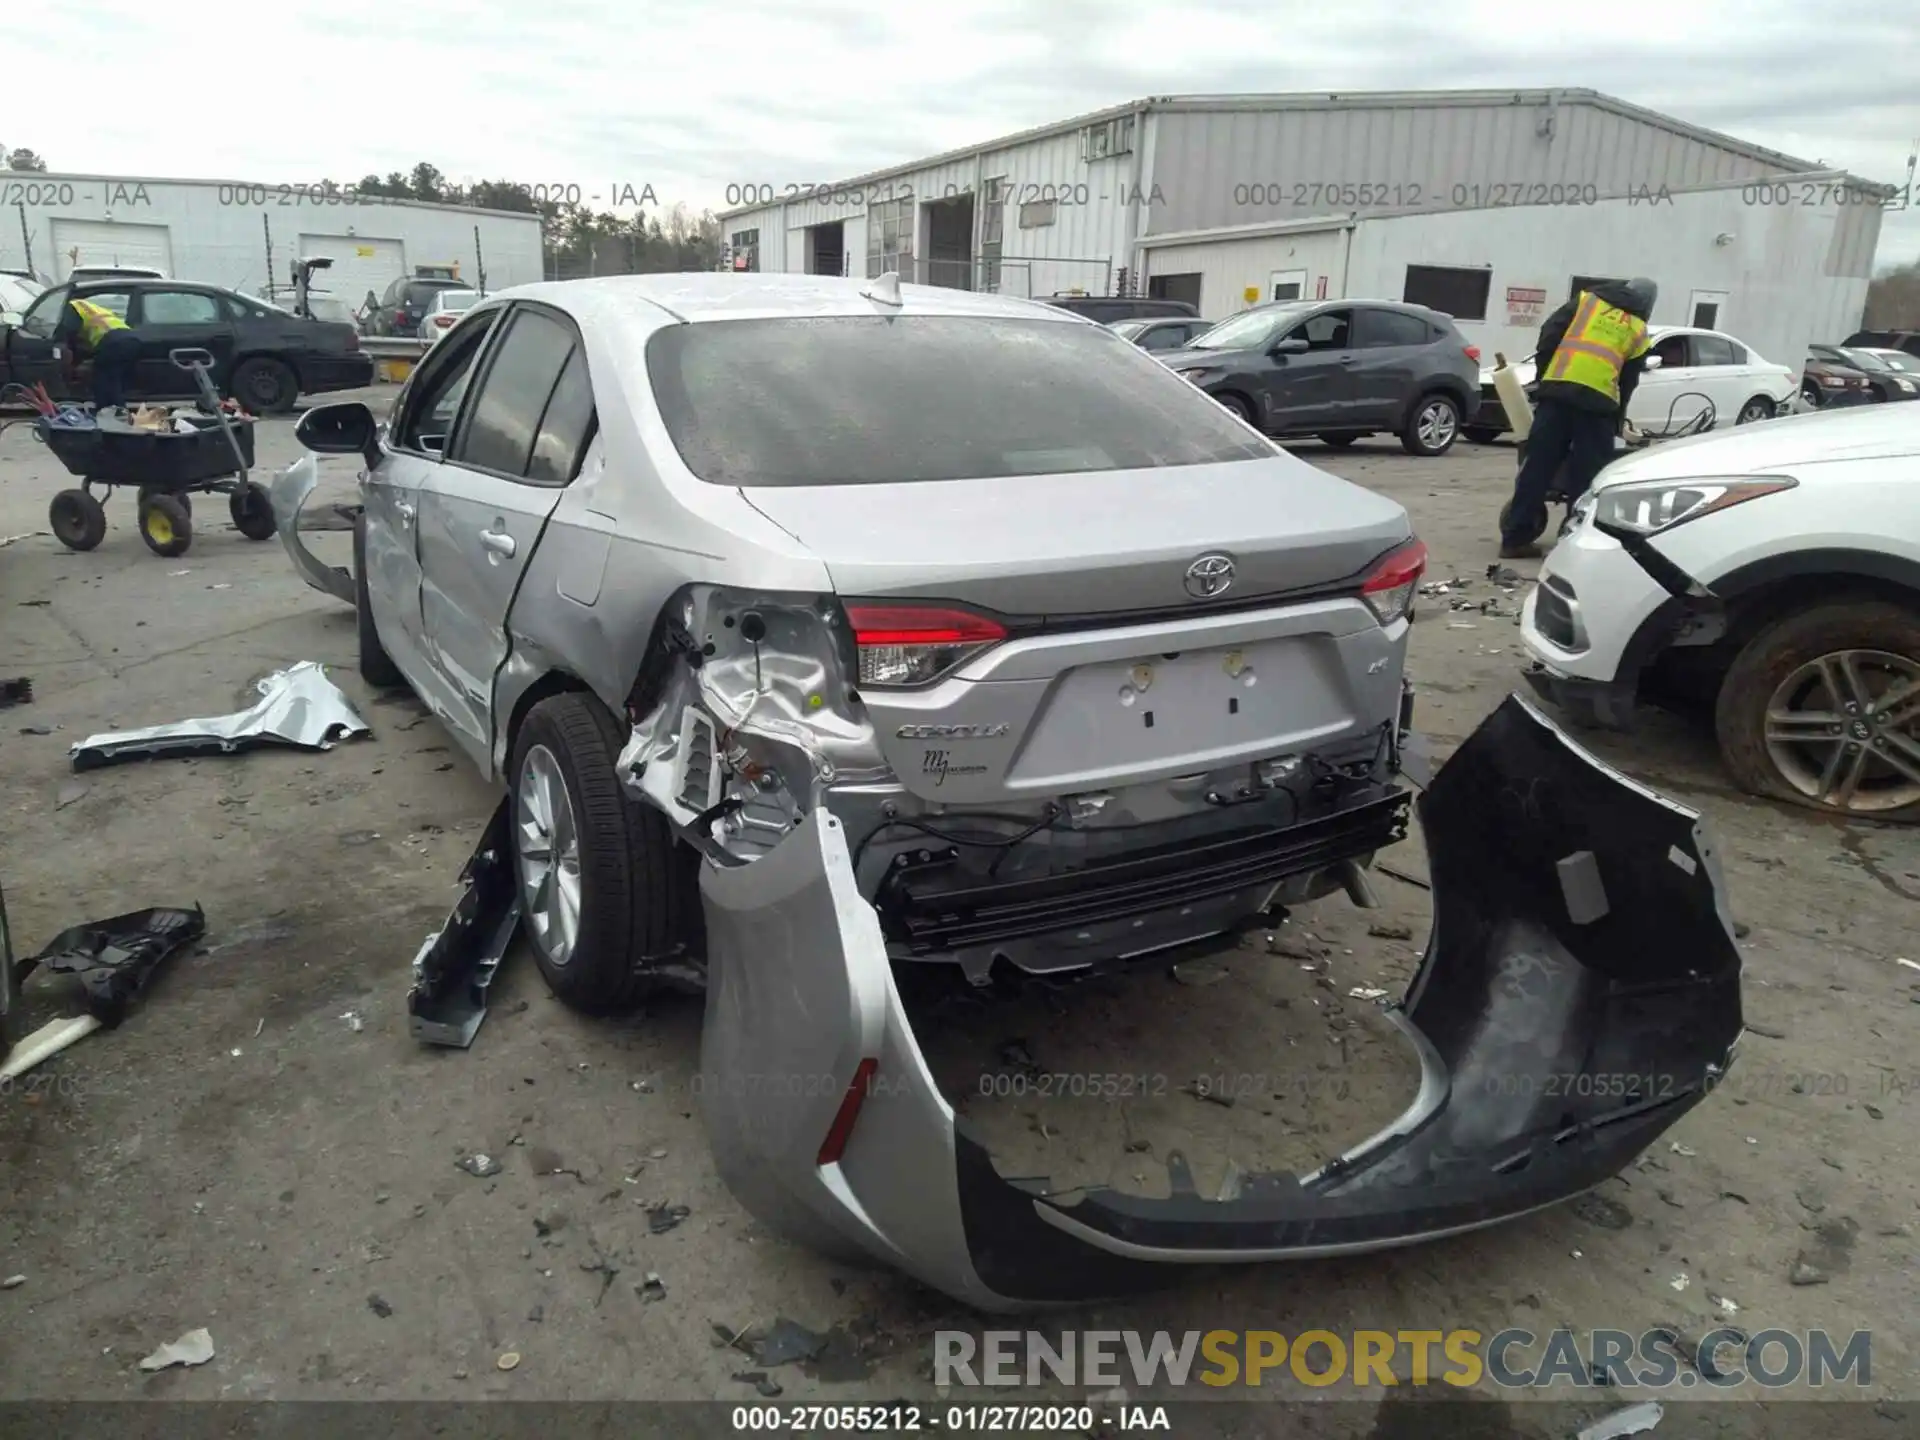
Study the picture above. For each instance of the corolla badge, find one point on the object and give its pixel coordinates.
(1209, 576)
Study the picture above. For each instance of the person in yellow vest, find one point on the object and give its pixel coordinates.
(1591, 355)
(93, 329)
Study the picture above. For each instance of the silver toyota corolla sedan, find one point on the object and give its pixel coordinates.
(823, 629)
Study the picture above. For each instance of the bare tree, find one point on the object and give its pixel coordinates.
(23, 159)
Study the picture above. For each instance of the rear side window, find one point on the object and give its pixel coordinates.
(1712, 350)
(867, 400)
(566, 427)
(514, 393)
(1391, 327)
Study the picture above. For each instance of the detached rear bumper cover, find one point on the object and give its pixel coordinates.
(1579, 994)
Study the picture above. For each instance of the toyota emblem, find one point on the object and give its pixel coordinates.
(1209, 576)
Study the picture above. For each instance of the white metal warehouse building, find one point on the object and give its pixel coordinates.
(1487, 205)
(222, 232)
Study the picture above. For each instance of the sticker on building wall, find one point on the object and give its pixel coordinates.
(1525, 306)
(364, 252)
(1320, 290)
(1251, 294)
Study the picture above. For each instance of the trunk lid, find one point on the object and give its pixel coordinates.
(1089, 544)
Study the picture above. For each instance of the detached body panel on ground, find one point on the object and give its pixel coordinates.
(844, 638)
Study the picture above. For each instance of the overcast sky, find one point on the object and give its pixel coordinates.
(604, 95)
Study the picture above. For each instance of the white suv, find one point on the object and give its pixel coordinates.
(1771, 574)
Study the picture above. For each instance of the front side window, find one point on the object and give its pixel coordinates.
(1254, 330)
(42, 319)
(513, 397)
(1330, 330)
(429, 415)
(862, 400)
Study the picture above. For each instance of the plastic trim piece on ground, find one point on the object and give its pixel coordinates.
(289, 492)
(298, 706)
(455, 967)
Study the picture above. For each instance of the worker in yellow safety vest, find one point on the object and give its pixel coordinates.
(95, 330)
(1591, 354)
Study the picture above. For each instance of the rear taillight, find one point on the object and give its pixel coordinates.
(1473, 353)
(399, 317)
(838, 1133)
(353, 339)
(1389, 586)
(917, 644)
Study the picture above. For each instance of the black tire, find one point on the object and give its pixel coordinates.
(186, 501)
(264, 385)
(78, 521)
(1433, 424)
(1481, 435)
(1337, 442)
(1811, 395)
(252, 511)
(1758, 408)
(1769, 659)
(1240, 406)
(376, 666)
(165, 525)
(637, 891)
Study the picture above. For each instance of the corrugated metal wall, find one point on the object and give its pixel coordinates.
(1245, 167)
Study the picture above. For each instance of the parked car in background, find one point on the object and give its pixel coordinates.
(86, 274)
(1825, 385)
(1906, 341)
(264, 357)
(1105, 309)
(1743, 385)
(406, 302)
(1807, 650)
(1172, 334)
(1339, 370)
(1885, 380)
(444, 312)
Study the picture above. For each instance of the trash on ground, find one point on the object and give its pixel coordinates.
(1633, 1420)
(1680, 1149)
(455, 965)
(38, 729)
(662, 1218)
(17, 691)
(24, 535)
(298, 706)
(652, 1288)
(46, 1042)
(1910, 964)
(508, 1360)
(1365, 992)
(1505, 575)
(1390, 932)
(379, 1307)
(115, 958)
(1679, 1282)
(1721, 1303)
(1199, 972)
(785, 1343)
(193, 1348)
(354, 1022)
(760, 1381)
(13, 1282)
(481, 1165)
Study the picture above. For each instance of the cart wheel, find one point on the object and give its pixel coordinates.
(186, 502)
(79, 521)
(165, 525)
(252, 511)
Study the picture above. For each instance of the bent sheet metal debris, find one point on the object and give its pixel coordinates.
(298, 706)
(1580, 925)
(455, 966)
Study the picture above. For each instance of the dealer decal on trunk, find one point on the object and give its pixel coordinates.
(936, 764)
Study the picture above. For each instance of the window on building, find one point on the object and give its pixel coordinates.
(1713, 350)
(1185, 288)
(890, 237)
(993, 224)
(1450, 289)
(1038, 214)
(746, 250)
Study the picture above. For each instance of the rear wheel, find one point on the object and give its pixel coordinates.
(78, 521)
(1758, 408)
(186, 501)
(1432, 427)
(165, 525)
(1240, 406)
(265, 385)
(604, 886)
(1822, 709)
(252, 511)
(376, 666)
(1810, 396)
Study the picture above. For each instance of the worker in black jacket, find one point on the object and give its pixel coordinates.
(1591, 355)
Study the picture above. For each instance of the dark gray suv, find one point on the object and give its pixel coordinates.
(1339, 369)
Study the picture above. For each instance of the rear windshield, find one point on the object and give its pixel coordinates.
(421, 292)
(866, 400)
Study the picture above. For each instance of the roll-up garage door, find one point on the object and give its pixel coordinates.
(105, 242)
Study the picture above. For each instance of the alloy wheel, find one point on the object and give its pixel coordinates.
(546, 842)
(1436, 425)
(1756, 410)
(1844, 730)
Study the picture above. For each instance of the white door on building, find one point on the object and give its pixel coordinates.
(360, 263)
(105, 242)
(1707, 310)
(1287, 285)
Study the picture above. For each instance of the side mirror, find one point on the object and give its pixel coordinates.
(1294, 346)
(1654, 362)
(345, 428)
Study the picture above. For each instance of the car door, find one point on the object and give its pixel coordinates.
(34, 356)
(425, 416)
(486, 504)
(1719, 374)
(1655, 406)
(1387, 346)
(1308, 390)
(166, 320)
